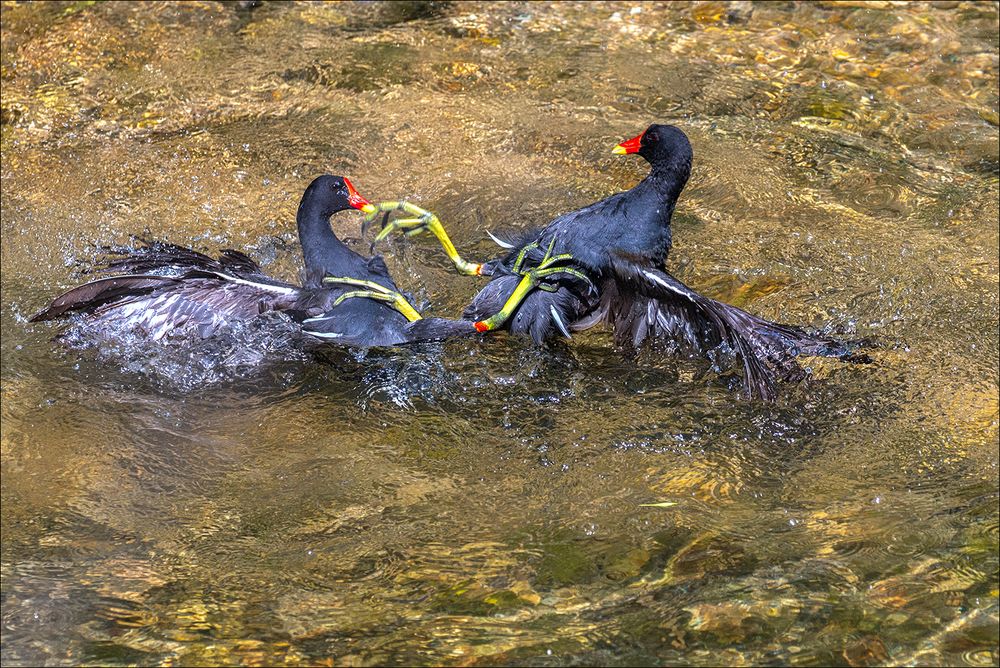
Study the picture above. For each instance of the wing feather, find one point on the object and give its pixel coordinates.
(642, 303)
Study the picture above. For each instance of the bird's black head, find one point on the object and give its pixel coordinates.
(659, 145)
(329, 194)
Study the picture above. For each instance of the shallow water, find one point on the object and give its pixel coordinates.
(495, 503)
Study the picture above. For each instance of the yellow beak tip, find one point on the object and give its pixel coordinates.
(369, 209)
(618, 150)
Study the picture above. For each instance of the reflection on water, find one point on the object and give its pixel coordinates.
(470, 503)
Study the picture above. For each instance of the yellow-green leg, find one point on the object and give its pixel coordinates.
(530, 280)
(500, 317)
(422, 221)
(374, 291)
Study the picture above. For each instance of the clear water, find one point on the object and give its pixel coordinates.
(488, 503)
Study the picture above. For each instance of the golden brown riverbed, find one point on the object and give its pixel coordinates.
(493, 503)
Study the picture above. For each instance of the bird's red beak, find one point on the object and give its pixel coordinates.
(355, 199)
(629, 146)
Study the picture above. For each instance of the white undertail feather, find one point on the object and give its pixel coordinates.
(500, 242)
(559, 322)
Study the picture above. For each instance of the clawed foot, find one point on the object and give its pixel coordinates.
(535, 277)
(375, 291)
(549, 266)
(421, 221)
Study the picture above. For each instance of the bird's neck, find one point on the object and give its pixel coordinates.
(667, 179)
(659, 192)
(322, 251)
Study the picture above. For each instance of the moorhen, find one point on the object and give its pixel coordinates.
(619, 245)
(162, 290)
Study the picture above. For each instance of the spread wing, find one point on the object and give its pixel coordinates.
(166, 288)
(202, 303)
(102, 291)
(642, 302)
(158, 257)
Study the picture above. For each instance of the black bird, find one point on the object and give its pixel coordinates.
(620, 244)
(162, 290)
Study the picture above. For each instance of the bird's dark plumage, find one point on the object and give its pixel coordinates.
(165, 290)
(622, 242)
